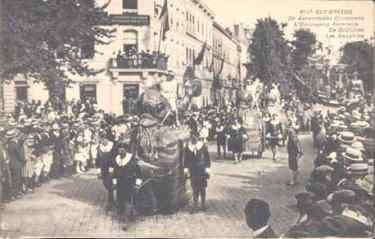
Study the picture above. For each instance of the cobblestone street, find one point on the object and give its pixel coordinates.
(75, 206)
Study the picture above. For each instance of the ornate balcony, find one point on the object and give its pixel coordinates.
(139, 63)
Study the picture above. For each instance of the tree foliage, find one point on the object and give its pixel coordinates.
(359, 57)
(43, 39)
(304, 46)
(269, 51)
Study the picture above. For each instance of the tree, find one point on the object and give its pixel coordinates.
(304, 46)
(269, 52)
(48, 40)
(359, 57)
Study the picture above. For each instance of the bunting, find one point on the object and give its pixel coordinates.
(199, 59)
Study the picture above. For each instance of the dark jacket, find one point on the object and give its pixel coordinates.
(198, 161)
(16, 154)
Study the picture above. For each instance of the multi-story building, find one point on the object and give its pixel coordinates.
(227, 52)
(138, 55)
(243, 34)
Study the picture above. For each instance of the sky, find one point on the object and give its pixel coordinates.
(229, 12)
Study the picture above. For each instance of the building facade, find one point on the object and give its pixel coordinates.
(138, 56)
(227, 54)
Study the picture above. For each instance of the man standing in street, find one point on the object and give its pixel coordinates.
(16, 161)
(294, 153)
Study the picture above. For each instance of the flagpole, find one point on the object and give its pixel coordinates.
(160, 39)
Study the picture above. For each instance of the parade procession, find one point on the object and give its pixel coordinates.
(155, 119)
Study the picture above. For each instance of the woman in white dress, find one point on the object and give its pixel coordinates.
(82, 154)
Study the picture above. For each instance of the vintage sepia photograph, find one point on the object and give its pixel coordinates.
(187, 119)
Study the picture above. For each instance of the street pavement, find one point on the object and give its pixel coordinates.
(74, 207)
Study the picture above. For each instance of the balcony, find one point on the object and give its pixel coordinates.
(140, 63)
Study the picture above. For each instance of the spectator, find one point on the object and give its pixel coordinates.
(257, 213)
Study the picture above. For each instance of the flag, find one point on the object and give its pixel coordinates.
(164, 18)
(221, 66)
(211, 67)
(199, 59)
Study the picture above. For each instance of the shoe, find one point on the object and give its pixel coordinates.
(290, 184)
(204, 208)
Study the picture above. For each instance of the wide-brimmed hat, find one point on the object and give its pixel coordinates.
(358, 169)
(352, 155)
(12, 123)
(346, 137)
(11, 134)
(27, 123)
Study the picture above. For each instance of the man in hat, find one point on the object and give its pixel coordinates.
(295, 152)
(349, 220)
(311, 213)
(197, 166)
(16, 160)
(257, 213)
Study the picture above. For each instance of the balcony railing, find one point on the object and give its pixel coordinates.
(141, 61)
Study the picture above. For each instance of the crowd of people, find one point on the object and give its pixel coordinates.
(130, 58)
(56, 139)
(338, 199)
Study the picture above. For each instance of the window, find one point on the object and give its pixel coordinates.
(130, 6)
(88, 49)
(88, 91)
(130, 44)
(21, 91)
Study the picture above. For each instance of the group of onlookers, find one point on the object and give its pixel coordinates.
(338, 200)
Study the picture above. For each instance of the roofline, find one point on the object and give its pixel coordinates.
(225, 32)
(205, 7)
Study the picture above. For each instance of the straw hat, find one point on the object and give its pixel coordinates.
(346, 137)
(352, 155)
(358, 169)
(11, 134)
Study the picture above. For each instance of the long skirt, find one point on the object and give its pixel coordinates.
(28, 169)
(38, 166)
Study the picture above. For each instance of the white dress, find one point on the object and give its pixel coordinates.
(82, 154)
